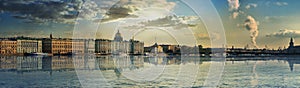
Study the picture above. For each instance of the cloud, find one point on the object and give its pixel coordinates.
(251, 5)
(235, 15)
(135, 8)
(280, 3)
(281, 19)
(233, 5)
(67, 11)
(202, 36)
(234, 8)
(41, 10)
(285, 33)
(174, 22)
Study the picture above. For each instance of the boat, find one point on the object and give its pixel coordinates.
(36, 54)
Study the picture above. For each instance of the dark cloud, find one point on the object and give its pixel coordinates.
(115, 13)
(128, 8)
(41, 10)
(68, 10)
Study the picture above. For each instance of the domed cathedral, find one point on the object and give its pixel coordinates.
(118, 45)
(292, 48)
(118, 37)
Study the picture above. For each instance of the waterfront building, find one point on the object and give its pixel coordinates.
(103, 46)
(292, 48)
(8, 46)
(169, 49)
(118, 46)
(63, 46)
(29, 46)
(78, 46)
(136, 47)
(156, 48)
(89, 46)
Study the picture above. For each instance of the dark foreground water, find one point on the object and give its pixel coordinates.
(140, 71)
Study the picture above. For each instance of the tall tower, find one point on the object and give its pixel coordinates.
(118, 36)
(291, 43)
(51, 36)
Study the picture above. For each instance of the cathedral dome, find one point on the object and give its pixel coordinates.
(118, 36)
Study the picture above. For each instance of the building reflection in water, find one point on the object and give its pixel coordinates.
(85, 62)
(292, 62)
(61, 63)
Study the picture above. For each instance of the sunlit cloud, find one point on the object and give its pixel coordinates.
(251, 5)
(285, 33)
(233, 4)
(280, 3)
(167, 22)
(234, 8)
(150, 9)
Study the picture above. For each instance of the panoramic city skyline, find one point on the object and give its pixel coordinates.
(272, 22)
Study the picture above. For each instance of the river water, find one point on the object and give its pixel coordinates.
(140, 71)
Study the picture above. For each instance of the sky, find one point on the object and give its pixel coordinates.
(256, 23)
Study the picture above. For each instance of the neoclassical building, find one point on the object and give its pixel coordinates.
(103, 46)
(8, 46)
(63, 45)
(118, 46)
(29, 46)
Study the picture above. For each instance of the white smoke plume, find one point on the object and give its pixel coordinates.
(252, 26)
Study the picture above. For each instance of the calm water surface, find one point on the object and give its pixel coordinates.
(140, 71)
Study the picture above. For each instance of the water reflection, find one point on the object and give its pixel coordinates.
(238, 71)
(64, 63)
(290, 60)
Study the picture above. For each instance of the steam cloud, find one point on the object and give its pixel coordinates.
(250, 23)
(252, 26)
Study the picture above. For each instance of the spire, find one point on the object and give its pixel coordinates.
(51, 37)
(155, 44)
(291, 43)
